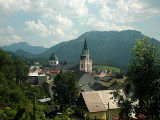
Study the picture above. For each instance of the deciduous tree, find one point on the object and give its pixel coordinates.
(65, 88)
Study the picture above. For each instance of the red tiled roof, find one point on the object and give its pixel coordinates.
(116, 118)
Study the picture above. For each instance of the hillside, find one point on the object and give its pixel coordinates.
(25, 54)
(108, 68)
(106, 48)
(110, 46)
(25, 47)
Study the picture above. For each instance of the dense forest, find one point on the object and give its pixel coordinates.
(16, 99)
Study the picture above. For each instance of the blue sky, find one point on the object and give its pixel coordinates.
(49, 22)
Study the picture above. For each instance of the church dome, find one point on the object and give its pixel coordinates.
(53, 57)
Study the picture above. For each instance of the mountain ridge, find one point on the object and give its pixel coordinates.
(25, 47)
(111, 46)
(103, 45)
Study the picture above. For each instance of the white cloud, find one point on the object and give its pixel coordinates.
(128, 11)
(8, 7)
(7, 30)
(101, 25)
(74, 8)
(61, 21)
(10, 29)
(124, 11)
(7, 40)
(91, 1)
(54, 42)
(58, 32)
(38, 28)
(71, 8)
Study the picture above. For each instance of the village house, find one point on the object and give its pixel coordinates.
(85, 81)
(97, 105)
(98, 86)
(36, 78)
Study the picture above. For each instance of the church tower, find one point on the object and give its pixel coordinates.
(53, 60)
(85, 62)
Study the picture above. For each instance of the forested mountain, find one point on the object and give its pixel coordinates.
(25, 47)
(25, 54)
(108, 47)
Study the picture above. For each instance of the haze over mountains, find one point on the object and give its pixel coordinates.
(105, 47)
(25, 47)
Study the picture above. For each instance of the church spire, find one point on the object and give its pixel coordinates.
(85, 44)
(85, 62)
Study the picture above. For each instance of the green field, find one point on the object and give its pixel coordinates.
(108, 68)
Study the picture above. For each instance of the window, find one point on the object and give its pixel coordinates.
(81, 65)
(54, 62)
(95, 117)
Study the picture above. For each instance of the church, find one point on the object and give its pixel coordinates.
(85, 61)
(53, 60)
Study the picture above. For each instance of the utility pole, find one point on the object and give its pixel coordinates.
(70, 102)
(85, 115)
(34, 105)
(108, 110)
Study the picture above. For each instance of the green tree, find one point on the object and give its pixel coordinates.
(17, 97)
(143, 82)
(143, 73)
(124, 103)
(6, 66)
(21, 70)
(65, 88)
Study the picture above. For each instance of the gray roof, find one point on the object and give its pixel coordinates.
(53, 57)
(97, 101)
(98, 86)
(86, 79)
(65, 67)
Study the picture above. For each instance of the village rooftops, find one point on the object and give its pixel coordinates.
(63, 67)
(97, 101)
(35, 74)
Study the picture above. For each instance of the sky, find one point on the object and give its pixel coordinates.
(49, 22)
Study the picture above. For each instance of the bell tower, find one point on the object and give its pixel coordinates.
(85, 62)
